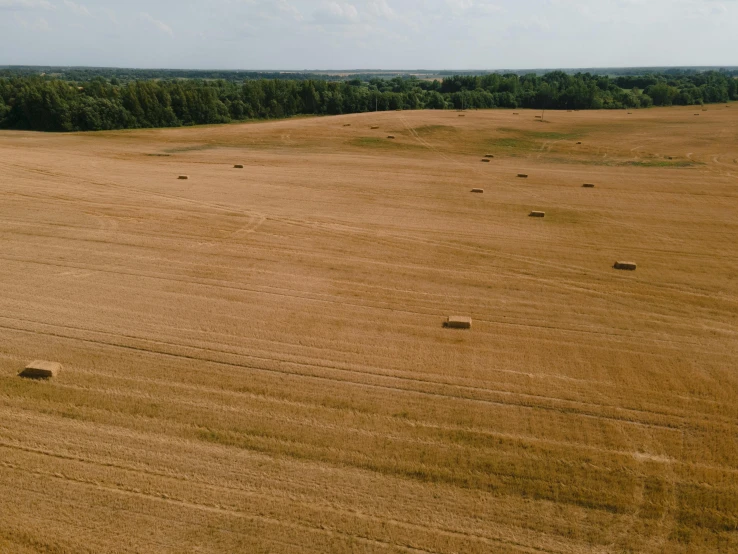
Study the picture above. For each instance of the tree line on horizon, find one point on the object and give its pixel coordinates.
(45, 103)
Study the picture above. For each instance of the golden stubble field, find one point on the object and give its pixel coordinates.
(254, 359)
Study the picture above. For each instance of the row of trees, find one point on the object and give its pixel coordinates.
(50, 104)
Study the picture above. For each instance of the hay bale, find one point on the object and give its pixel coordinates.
(462, 115)
(458, 322)
(486, 160)
(516, 113)
(40, 369)
(579, 143)
(627, 266)
(183, 177)
(523, 175)
(480, 191)
(238, 166)
(489, 156)
(537, 214)
(347, 125)
(390, 136)
(374, 127)
(696, 114)
(588, 185)
(630, 113)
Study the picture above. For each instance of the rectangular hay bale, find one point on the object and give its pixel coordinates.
(458, 322)
(238, 166)
(627, 266)
(523, 175)
(537, 214)
(487, 160)
(588, 185)
(183, 177)
(40, 369)
(480, 191)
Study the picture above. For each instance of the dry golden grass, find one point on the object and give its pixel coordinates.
(255, 361)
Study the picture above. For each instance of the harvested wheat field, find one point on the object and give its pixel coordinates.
(257, 361)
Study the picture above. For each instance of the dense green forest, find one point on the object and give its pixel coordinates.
(124, 75)
(49, 103)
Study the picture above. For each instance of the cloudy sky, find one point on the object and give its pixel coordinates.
(387, 34)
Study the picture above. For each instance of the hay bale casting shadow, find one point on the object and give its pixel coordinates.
(458, 322)
(626, 266)
(40, 369)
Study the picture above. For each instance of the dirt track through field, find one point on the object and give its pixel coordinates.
(254, 359)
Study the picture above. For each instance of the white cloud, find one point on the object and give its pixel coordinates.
(337, 12)
(488, 9)
(459, 6)
(26, 5)
(163, 27)
(79, 9)
(380, 8)
(41, 25)
(286, 8)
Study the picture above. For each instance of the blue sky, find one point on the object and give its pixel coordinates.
(388, 34)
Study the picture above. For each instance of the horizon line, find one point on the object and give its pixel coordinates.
(368, 70)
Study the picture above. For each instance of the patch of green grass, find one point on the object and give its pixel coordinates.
(554, 136)
(430, 130)
(613, 162)
(512, 143)
(541, 135)
(383, 143)
(193, 148)
(606, 162)
(526, 141)
(662, 163)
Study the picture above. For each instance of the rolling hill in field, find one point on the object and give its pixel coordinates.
(255, 359)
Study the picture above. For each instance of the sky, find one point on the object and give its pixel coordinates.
(369, 34)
